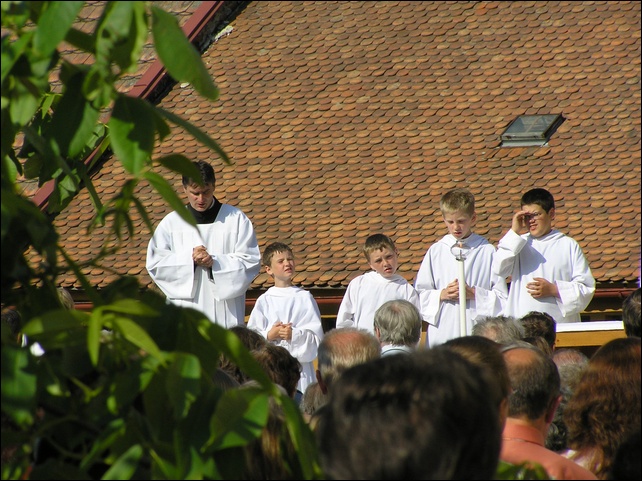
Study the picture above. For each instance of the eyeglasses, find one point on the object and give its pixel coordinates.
(532, 215)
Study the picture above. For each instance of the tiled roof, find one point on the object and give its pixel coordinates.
(345, 119)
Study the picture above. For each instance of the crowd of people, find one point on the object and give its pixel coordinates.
(482, 391)
(482, 394)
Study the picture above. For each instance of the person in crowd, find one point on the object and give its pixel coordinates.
(397, 325)
(540, 324)
(429, 414)
(437, 280)
(631, 310)
(571, 364)
(501, 329)
(282, 367)
(313, 399)
(627, 464)
(605, 406)
(366, 292)
(288, 315)
(13, 320)
(251, 340)
(535, 396)
(208, 267)
(342, 348)
(548, 270)
(273, 454)
(540, 343)
(487, 354)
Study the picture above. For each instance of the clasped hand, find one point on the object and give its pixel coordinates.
(201, 257)
(280, 330)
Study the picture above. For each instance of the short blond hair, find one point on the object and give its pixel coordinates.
(457, 200)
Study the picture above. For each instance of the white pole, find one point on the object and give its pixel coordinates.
(462, 297)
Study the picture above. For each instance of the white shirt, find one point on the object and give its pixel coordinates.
(365, 294)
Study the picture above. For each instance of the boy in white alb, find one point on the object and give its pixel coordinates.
(287, 315)
(365, 293)
(437, 279)
(548, 270)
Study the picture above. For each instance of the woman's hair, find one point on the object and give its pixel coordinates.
(605, 406)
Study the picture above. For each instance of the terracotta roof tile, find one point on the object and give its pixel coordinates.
(348, 118)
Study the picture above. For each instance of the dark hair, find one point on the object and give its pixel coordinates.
(377, 242)
(272, 249)
(542, 324)
(541, 197)
(631, 312)
(534, 379)
(425, 415)
(282, 367)
(207, 174)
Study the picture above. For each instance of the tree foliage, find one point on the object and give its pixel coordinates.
(125, 391)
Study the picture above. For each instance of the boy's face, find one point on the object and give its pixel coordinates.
(538, 221)
(385, 261)
(282, 266)
(459, 223)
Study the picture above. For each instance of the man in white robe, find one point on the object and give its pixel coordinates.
(208, 267)
(287, 315)
(548, 270)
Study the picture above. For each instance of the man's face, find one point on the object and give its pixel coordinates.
(384, 261)
(459, 223)
(538, 220)
(200, 197)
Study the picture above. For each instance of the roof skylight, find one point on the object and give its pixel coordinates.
(531, 130)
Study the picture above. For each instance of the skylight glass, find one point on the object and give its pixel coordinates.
(531, 130)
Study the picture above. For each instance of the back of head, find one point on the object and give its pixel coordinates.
(282, 367)
(457, 200)
(541, 197)
(206, 177)
(399, 323)
(540, 343)
(631, 312)
(485, 353)
(501, 329)
(272, 249)
(427, 415)
(377, 242)
(343, 348)
(570, 365)
(606, 403)
(251, 340)
(65, 298)
(542, 324)
(534, 379)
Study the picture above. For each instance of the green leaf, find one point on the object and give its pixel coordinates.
(93, 335)
(131, 128)
(74, 120)
(167, 192)
(126, 465)
(12, 52)
(18, 384)
(53, 25)
(183, 383)
(240, 417)
(182, 60)
(137, 336)
(181, 164)
(198, 134)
